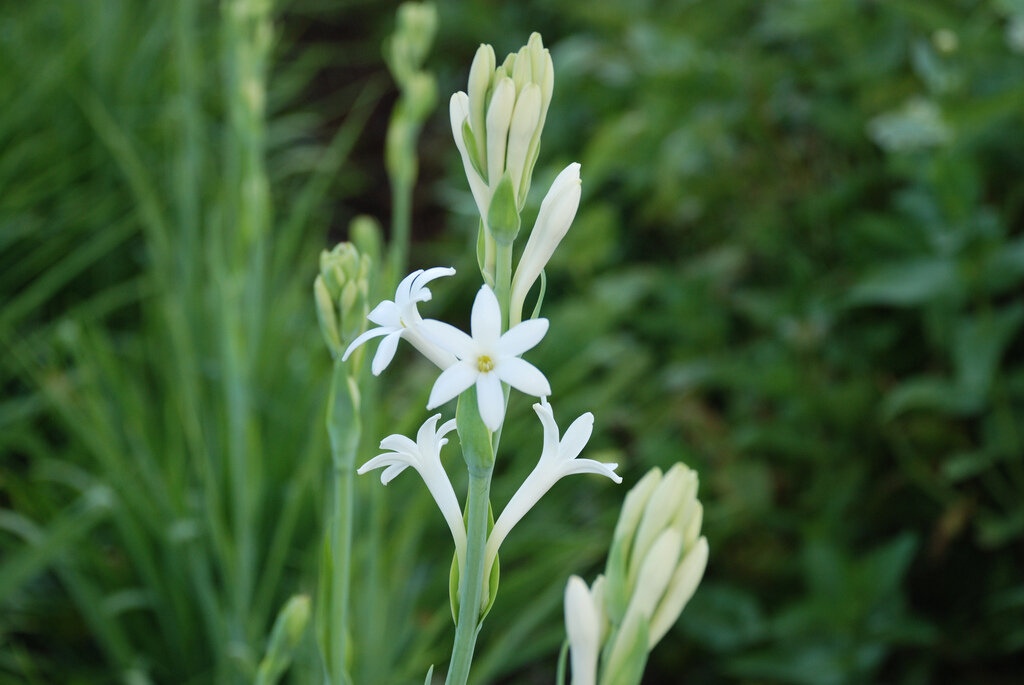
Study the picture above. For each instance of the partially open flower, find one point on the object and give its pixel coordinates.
(400, 319)
(557, 460)
(424, 455)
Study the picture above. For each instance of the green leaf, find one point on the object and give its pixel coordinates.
(907, 284)
(430, 675)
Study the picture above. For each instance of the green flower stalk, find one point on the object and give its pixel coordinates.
(405, 52)
(340, 292)
(656, 561)
(497, 128)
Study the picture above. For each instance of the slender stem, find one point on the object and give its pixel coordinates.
(401, 223)
(344, 427)
(472, 579)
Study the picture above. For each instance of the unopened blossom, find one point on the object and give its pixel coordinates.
(585, 627)
(557, 211)
(399, 318)
(557, 460)
(424, 455)
(487, 358)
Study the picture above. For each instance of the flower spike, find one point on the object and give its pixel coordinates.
(399, 318)
(557, 460)
(487, 358)
(424, 455)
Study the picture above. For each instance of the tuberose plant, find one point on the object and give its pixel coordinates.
(657, 558)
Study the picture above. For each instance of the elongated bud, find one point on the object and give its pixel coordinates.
(524, 122)
(583, 620)
(288, 630)
(499, 117)
(480, 74)
(557, 211)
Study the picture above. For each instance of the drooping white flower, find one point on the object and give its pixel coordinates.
(557, 211)
(401, 319)
(424, 455)
(585, 625)
(487, 359)
(557, 460)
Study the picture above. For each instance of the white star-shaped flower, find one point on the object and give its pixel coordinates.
(487, 359)
(557, 460)
(401, 319)
(424, 455)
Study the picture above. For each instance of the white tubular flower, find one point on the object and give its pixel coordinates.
(557, 460)
(401, 319)
(487, 359)
(557, 211)
(585, 624)
(424, 455)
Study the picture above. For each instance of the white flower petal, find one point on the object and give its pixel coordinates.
(368, 335)
(425, 435)
(576, 436)
(399, 443)
(485, 321)
(403, 293)
(385, 353)
(523, 376)
(426, 277)
(522, 337)
(490, 400)
(386, 314)
(549, 451)
(388, 474)
(452, 382)
(448, 337)
(590, 466)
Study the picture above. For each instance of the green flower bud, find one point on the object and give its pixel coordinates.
(497, 123)
(289, 627)
(406, 49)
(340, 293)
(656, 561)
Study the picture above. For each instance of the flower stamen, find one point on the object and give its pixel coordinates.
(484, 363)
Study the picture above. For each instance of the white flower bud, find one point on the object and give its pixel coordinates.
(499, 116)
(459, 111)
(524, 124)
(583, 627)
(557, 211)
(680, 589)
(480, 74)
(655, 573)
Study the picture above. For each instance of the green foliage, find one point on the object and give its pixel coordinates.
(797, 266)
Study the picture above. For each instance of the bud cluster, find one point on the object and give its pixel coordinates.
(405, 51)
(656, 561)
(341, 291)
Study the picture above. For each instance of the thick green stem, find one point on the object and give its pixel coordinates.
(344, 428)
(503, 281)
(472, 580)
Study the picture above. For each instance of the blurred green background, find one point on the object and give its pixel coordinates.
(798, 267)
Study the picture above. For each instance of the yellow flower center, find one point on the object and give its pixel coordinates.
(484, 363)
